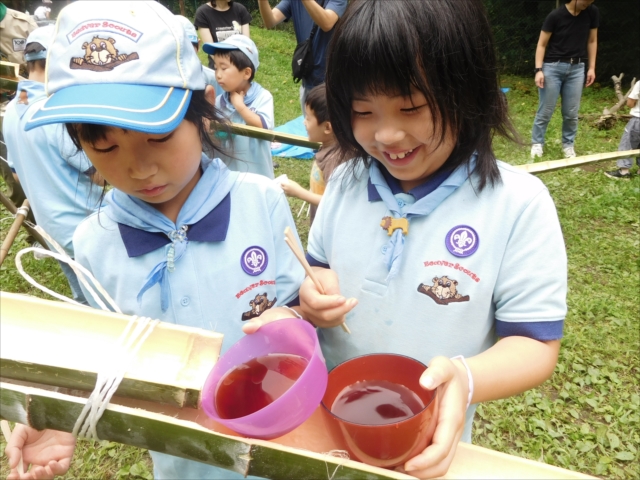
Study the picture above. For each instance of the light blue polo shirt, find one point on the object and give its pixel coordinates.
(480, 266)
(249, 154)
(218, 284)
(50, 168)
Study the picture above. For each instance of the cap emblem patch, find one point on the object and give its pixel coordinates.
(254, 260)
(101, 55)
(462, 241)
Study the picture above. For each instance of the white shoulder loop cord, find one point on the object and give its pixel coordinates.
(469, 377)
(127, 345)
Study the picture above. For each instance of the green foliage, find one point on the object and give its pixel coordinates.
(586, 416)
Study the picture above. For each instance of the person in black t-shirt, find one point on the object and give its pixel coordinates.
(568, 41)
(217, 20)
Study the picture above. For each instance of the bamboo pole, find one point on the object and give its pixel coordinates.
(574, 162)
(8, 204)
(270, 459)
(70, 344)
(270, 136)
(43, 409)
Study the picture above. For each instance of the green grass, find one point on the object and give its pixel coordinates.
(586, 416)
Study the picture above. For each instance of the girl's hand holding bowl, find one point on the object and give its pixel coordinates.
(451, 377)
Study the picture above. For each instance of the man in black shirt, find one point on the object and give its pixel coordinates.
(568, 41)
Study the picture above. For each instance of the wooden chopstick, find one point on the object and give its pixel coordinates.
(290, 240)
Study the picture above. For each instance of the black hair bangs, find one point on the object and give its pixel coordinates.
(441, 48)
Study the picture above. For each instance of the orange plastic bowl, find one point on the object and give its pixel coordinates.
(387, 445)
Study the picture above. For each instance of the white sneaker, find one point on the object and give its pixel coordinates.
(536, 150)
(568, 151)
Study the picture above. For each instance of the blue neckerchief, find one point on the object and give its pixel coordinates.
(254, 90)
(212, 228)
(424, 206)
(35, 92)
(212, 188)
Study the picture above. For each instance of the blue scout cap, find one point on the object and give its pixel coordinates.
(43, 36)
(121, 64)
(235, 42)
(189, 29)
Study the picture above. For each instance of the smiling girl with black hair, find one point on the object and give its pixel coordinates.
(470, 260)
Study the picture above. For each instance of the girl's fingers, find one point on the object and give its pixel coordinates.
(431, 467)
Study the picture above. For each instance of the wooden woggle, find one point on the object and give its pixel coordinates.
(290, 239)
(390, 224)
(21, 214)
(575, 162)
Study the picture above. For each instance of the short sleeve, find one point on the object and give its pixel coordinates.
(263, 106)
(289, 272)
(316, 248)
(549, 23)
(531, 287)
(635, 92)
(595, 17)
(243, 14)
(285, 7)
(201, 20)
(338, 6)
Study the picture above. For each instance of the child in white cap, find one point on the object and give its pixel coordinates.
(55, 176)
(244, 102)
(181, 238)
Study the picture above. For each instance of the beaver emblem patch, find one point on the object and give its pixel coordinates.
(443, 291)
(258, 306)
(101, 55)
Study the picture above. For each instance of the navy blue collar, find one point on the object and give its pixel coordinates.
(211, 228)
(418, 192)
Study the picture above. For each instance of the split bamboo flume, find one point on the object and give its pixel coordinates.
(156, 406)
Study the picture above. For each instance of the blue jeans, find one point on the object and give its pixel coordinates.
(565, 80)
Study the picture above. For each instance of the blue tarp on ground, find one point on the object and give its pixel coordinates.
(295, 127)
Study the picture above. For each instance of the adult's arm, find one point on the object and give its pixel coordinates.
(270, 16)
(592, 49)
(324, 18)
(541, 48)
(205, 36)
(245, 30)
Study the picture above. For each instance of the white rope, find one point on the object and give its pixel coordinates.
(127, 345)
(81, 272)
(342, 454)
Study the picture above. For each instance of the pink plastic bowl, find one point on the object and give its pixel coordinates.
(289, 336)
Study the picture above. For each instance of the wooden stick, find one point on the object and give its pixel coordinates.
(21, 214)
(290, 239)
(574, 162)
(8, 204)
(6, 431)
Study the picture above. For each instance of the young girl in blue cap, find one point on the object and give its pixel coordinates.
(442, 253)
(181, 238)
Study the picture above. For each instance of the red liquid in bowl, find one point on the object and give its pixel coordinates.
(376, 402)
(253, 385)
